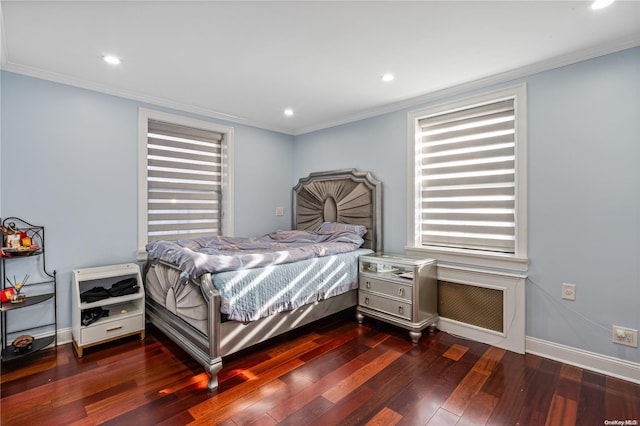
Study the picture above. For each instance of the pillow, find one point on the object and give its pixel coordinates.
(333, 227)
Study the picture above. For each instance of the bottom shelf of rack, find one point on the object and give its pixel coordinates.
(10, 353)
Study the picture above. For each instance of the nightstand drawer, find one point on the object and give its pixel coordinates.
(111, 329)
(383, 304)
(386, 287)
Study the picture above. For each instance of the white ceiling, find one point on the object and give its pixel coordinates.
(248, 61)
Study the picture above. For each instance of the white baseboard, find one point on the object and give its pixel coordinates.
(615, 367)
(64, 336)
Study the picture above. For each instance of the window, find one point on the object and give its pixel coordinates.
(468, 169)
(184, 178)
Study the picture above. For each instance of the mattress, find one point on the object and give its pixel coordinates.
(251, 294)
(198, 256)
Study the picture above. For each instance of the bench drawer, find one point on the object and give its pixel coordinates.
(103, 331)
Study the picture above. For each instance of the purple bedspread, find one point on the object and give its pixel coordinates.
(197, 256)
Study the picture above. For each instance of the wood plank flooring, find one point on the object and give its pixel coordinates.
(333, 373)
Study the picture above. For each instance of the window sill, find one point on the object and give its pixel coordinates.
(472, 257)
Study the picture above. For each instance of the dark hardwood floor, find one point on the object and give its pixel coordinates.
(337, 373)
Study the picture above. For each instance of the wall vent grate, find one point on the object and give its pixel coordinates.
(470, 304)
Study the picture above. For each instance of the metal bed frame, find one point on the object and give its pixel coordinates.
(346, 196)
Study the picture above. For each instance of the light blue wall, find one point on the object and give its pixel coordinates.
(584, 194)
(69, 162)
(584, 202)
(376, 145)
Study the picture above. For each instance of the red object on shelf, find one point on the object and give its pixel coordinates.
(6, 294)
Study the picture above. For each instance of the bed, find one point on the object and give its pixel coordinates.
(190, 303)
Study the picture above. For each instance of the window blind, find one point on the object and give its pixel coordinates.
(467, 172)
(184, 182)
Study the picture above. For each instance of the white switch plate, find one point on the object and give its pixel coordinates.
(279, 211)
(568, 291)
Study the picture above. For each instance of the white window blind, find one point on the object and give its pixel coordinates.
(467, 177)
(184, 182)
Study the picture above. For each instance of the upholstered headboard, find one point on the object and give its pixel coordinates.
(345, 196)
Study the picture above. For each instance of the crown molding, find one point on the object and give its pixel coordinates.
(3, 40)
(434, 96)
(132, 95)
(507, 76)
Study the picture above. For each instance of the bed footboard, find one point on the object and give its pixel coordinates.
(185, 337)
(204, 349)
(232, 336)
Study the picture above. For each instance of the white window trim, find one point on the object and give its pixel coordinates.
(144, 115)
(518, 261)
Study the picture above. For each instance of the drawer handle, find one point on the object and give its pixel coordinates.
(401, 291)
(368, 284)
(366, 300)
(400, 310)
(114, 328)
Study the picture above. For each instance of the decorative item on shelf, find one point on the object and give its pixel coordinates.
(17, 286)
(12, 235)
(6, 294)
(22, 343)
(17, 242)
(18, 298)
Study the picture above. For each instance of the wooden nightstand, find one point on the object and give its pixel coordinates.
(398, 289)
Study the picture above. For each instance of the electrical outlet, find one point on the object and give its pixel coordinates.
(279, 211)
(625, 336)
(568, 291)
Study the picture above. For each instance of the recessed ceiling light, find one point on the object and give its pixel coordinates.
(600, 4)
(288, 112)
(110, 59)
(387, 78)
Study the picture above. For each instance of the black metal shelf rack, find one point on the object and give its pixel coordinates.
(41, 290)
